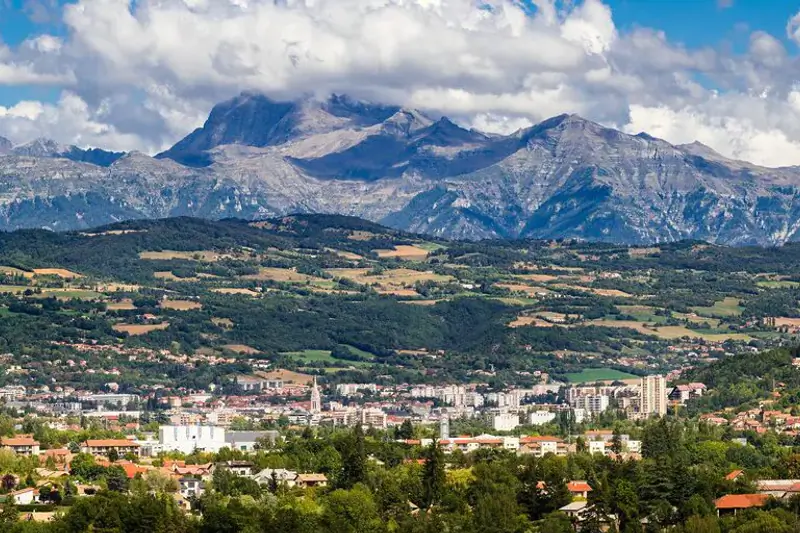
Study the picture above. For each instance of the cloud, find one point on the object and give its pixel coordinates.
(724, 4)
(147, 72)
(71, 117)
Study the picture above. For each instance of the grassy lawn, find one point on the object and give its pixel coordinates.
(13, 288)
(78, 294)
(324, 356)
(598, 374)
(361, 353)
(727, 307)
(772, 284)
(430, 246)
(516, 301)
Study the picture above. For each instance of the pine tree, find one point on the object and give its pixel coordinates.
(354, 460)
(433, 479)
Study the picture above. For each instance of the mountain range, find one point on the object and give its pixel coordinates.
(255, 158)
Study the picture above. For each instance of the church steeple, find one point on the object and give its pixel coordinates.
(316, 398)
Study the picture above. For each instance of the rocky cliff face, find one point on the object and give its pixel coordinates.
(564, 177)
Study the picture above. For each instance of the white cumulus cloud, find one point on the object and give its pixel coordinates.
(140, 75)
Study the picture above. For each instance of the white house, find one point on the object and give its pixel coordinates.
(24, 496)
(191, 487)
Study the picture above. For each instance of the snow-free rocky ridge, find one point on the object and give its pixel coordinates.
(255, 157)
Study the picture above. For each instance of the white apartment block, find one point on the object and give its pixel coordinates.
(505, 422)
(653, 396)
(594, 403)
(538, 418)
(187, 439)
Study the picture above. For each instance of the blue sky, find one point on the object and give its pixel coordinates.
(707, 22)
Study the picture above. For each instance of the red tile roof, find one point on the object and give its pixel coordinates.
(110, 443)
(132, 469)
(578, 486)
(741, 501)
(530, 438)
(733, 475)
(18, 441)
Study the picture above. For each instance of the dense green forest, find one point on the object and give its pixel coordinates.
(354, 301)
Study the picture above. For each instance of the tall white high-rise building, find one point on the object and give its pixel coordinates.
(653, 396)
(594, 403)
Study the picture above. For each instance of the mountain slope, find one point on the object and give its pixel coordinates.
(49, 148)
(565, 177)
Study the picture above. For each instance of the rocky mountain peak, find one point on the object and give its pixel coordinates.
(562, 178)
(40, 147)
(406, 122)
(5, 146)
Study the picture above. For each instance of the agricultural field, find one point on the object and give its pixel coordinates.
(57, 272)
(181, 305)
(291, 289)
(126, 304)
(140, 329)
(282, 275)
(726, 307)
(670, 332)
(199, 255)
(591, 375)
(404, 251)
(324, 357)
(242, 349)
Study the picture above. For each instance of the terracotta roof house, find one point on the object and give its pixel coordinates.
(20, 445)
(733, 503)
(311, 480)
(579, 489)
(733, 476)
(104, 446)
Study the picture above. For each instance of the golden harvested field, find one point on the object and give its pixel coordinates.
(11, 271)
(180, 305)
(420, 302)
(538, 278)
(600, 292)
(525, 289)
(345, 255)
(281, 274)
(139, 329)
(530, 321)
(241, 349)
(245, 292)
(643, 252)
(361, 236)
(226, 323)
(669, 332)
(410, 293)
(614, 293)
(397, 278)
(169, 276)
(122, 305)
(287, 376)
(200, 255)
(60, 272)
(552, 316)
(114, 287)
(404, 251)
